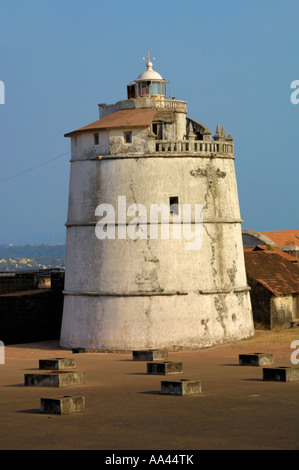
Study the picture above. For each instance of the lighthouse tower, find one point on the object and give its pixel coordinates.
(154, 254)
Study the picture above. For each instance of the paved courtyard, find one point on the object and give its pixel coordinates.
(126, 411)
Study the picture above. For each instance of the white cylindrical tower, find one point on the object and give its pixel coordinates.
(154, 255)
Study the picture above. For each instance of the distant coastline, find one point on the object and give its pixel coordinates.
(31, 257)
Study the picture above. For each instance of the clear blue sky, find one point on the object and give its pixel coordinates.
(233, 61)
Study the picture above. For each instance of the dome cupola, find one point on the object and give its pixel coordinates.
(149, 73)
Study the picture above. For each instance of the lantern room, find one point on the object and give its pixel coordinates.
(149, 84)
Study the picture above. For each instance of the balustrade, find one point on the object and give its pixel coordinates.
(183, 146)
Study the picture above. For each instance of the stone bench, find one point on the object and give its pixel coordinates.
(54, 379)
(57, 364)
(78, 350)
(294, 323)
(181, 387)
(62, 405)
(281, 374)
(164, 368)
(256, 359)
(150, 355)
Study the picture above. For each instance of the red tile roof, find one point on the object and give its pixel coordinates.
(127, 118)
(274, 249)
(276, 273)
(283, 237)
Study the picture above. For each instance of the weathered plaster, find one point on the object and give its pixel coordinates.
(153, 293)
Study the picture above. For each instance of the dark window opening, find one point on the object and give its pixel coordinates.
(131, 91)
(174, 205)
(146, 88)
(96, 139)
(128, 137)
(158, 131)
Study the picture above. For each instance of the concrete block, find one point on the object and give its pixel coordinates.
(150, 355)
(164, 368)
(181, 387)
(62, 405)
(281, 374)
(54, 379)
(78, 350)
(256, 359)
(57, 364)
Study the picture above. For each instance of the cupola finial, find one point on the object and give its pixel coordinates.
(149, 59)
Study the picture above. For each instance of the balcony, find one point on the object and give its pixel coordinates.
(194, 146)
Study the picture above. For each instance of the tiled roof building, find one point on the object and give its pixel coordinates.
(284, 237)
(272, 249)
(274, 282)
(286, 240)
